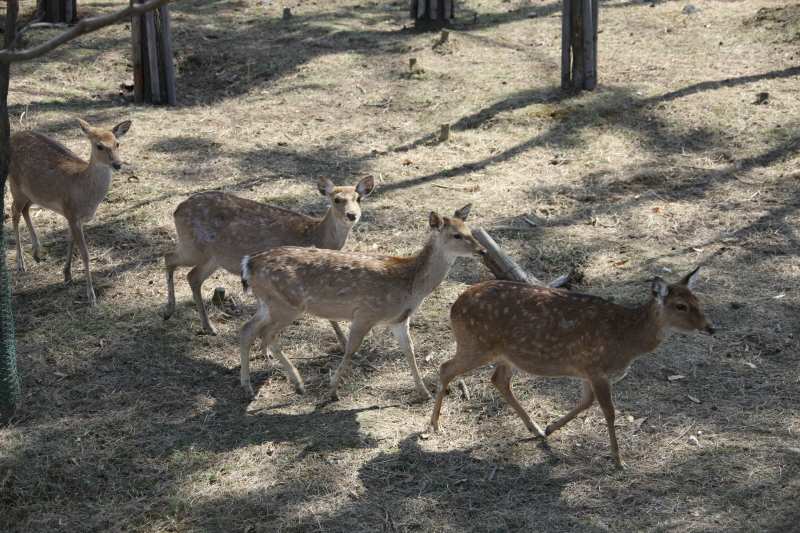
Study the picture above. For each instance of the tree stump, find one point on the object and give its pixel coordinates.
(153, 68)
(57, 11)
(579, 44)
(432, 15)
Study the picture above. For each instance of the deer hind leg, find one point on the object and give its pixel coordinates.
(173, 260)
(342, 339)
(400, 332)
(196, 277)
(358, 330)
(20, 207)
(501, 379)
(37, 249)
(466, 358)
(587, 398)
(76, 233)
(264, 325)
(602, 390)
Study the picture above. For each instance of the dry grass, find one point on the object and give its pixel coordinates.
(130, 423)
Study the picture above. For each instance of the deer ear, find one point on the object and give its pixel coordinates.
(325, 186)
(365, 186)
(690, 278)
(436, 222)
(121, 128)
(85, 127)
(463, 213)
(660, 290)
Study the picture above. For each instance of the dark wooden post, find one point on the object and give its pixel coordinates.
(153, 68)
(579, 43)
(57, 11)
(430, 15)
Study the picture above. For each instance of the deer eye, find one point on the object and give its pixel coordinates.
(358, 199)
(681, 307)
(100, 147)
(457, 236)
(336, 200)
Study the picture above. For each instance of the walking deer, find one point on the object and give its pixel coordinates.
(47, 173)
(364, 289)
(555, 333)
(216, 229)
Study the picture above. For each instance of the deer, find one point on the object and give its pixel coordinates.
(217, 229)
(364, 289)
(47, 173)
(555, 333)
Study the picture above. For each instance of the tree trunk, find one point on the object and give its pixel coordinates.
(57, 11)
(432, 15)
(153, 68)
(579, 37)
(9, 378)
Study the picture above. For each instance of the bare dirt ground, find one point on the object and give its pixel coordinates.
(131, 423)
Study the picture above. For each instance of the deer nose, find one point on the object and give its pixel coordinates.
(352, 216)
(117, 166)
(711, 330)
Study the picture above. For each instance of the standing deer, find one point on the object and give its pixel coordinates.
(216, 229)
(364, 289)
(47, 173)
(555, 333)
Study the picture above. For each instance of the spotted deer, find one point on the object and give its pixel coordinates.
(216, 229)
(364, 289)
(555, 333)
(47, 173)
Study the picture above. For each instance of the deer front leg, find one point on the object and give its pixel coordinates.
(76, 231)
(602, 390)
(401, 333)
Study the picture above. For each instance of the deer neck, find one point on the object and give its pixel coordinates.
(430, 265)
(328, 233)
(97, 177)
(642, 330)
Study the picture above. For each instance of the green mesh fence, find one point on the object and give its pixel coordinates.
(9, 378)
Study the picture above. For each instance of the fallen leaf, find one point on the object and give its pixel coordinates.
(656, 209)
(675, 377)
(59, 375)
(666, 269)
(693, 440)
(695, 249)
(779, 296)
(620, 263)
(408, 162)
(751, 365)
(425, 436)
(695, 400)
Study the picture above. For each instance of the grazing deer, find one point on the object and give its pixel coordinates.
(216, 229)
(364, 289)
(555, 333)
(47, 173)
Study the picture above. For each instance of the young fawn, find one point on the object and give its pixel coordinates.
(555, 333)
(364, 289)
(47, 173)
(216, 229)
